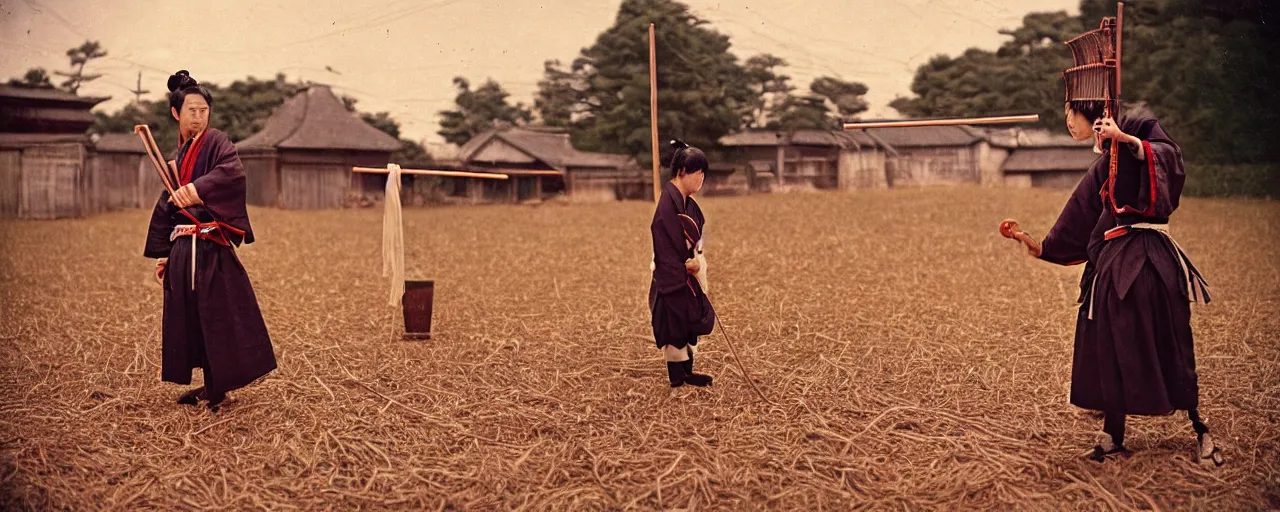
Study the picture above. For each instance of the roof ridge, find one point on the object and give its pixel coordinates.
(306, 107)
(522, 149)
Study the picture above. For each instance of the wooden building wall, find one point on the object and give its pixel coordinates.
(816, 168)
(862, 169)
(113, 181)
(802, 166)
(586, 188)
(473, 191)
(726, 182)
(262, 177)
(517, 188)
(494, 191)
(309, 179)
(10, 182)
(312, 180)
(51, 180)
(148, 185)
(933, 166)
(990, 161)
(312, 186)
(55, 181)
(586, 185)
(762, 156)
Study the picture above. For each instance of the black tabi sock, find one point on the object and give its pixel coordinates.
(191, 397)
(675, 371)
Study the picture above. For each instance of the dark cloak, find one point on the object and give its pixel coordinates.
(1136, 355)
(217, 326)
(681, 311)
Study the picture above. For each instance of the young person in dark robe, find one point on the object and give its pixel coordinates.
(211, 316)
(1134, 353)
(680, 309)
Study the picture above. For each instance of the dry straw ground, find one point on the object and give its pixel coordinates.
(917, 360)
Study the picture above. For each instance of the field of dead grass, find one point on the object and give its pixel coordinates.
(914, 359)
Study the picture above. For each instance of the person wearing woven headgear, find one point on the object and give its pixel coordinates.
(1133, 352)
(211, 316)
(677, 300)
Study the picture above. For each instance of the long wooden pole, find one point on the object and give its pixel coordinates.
(1119, 43)
(653, 111)
(1030, 118)
(1114, 112)
(434, 172)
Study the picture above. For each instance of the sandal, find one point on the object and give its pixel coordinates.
(1099, 454)
(192, 397)
(1206, 449)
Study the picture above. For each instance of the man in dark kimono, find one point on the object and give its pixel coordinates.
(680, 309)
(211, 315)
(1134, 353)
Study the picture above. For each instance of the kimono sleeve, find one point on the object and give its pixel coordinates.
(1067, 242)
(158, 244)
(1161, 177)
(669, 253)
(1150, 174)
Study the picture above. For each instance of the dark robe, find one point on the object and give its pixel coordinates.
(681, 311)
(217, 326)
(1136, 355)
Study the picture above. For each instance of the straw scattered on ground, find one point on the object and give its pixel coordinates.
(915, 359)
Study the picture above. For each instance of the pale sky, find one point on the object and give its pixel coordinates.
(401, 55)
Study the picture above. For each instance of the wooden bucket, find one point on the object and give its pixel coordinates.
(417, 302)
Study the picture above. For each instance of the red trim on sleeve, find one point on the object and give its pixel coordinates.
(1151, 178)
(1108, 192)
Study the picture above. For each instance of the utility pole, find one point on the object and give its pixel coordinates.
(139, 91)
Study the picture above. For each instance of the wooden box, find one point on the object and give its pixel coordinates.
(417, 302)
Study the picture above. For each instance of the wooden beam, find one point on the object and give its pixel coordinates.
(528, 172)
(1030, 118)
(434, 172)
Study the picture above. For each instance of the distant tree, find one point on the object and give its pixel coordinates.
(1205, 68)
(770, 90)
(80, 56)
(848, 97)
(803, 113)
(241, 110)
(560, 96)
(477, 111)
(703, 92)
(35, 78)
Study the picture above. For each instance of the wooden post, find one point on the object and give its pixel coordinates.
(653, 112)
(781, 161)
(1119, 31)
(277, 164)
